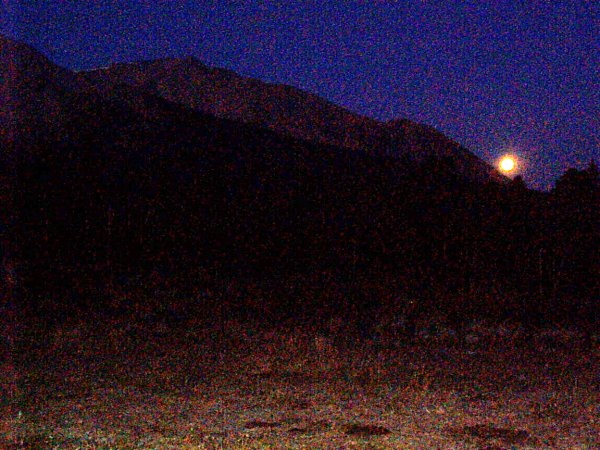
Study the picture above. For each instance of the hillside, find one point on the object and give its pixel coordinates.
(105, 183)
(286, 110)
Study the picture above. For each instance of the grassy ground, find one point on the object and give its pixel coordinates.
(117, 384)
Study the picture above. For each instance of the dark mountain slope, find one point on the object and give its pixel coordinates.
(134, 181)
(33, 90)
(226, 94)
(117, 182)
(286, 110)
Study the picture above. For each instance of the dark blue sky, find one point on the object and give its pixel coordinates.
(497, 76)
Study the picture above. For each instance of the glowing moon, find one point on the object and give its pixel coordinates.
(507, 164)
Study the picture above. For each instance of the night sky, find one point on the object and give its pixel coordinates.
(498, 79)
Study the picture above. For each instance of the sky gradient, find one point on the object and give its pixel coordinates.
(498, 77)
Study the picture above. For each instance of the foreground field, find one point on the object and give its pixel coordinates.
(123, 385)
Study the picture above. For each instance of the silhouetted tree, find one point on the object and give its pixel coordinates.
(575, 236)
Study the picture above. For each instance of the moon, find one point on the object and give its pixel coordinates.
(507, 164)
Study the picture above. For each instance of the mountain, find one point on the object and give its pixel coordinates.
(286, 110)
(34, 91)
(225, 94)
(111, 178)
(263, 186)
(38, 95)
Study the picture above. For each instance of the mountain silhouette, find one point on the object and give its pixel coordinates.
(170, 165)
(286, 110)
(262, 191)
(34, 91)
(39, 95)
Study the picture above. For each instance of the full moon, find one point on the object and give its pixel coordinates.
(507, 164)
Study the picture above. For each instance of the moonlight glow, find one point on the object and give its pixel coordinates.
(507, 164)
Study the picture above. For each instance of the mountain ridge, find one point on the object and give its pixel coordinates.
(113, 182)
(223, 93)
(34, 90)
(287, 110)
